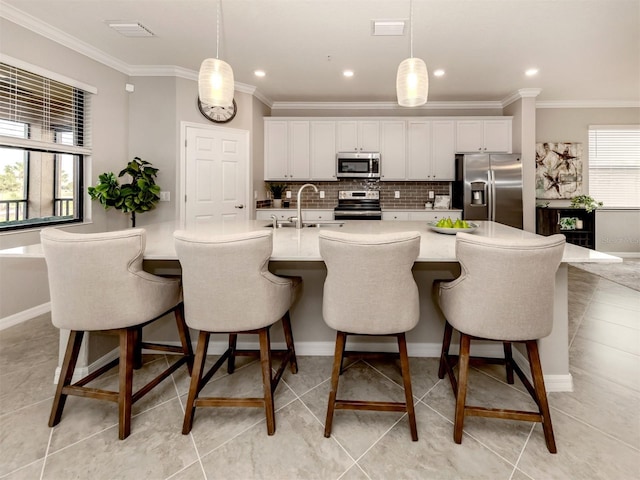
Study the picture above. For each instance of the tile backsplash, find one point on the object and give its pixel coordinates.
(412, 194)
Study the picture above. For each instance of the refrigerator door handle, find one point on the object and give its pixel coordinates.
(491, 192)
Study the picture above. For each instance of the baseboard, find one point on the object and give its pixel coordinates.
(82, 372)
(624, 254)
(552, 383)
(24, 315)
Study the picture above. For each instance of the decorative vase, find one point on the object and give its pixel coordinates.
(277, 203)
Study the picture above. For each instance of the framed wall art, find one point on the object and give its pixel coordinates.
(558, 170)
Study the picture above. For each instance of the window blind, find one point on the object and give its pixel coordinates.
(57, 114)
(614, 165)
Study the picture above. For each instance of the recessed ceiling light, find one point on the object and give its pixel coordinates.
(131, 29)
(531, 72)
(348, 73)
(259, 73)
(438, 73)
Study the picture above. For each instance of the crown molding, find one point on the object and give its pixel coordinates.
(41, 28)
(589, 104)
(382, 106)
(522, 93)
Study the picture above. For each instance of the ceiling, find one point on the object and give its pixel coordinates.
(587, 51)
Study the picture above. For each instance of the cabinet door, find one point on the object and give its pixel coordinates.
(312, 215)
(392, 150)
(395, 215)
(497, 136)
(443, 150)
(433, 215)
(347, 133)
(276, 150)
(299, 150)
(419, 150)
(323, 150)
(369, 136)
(469, 136)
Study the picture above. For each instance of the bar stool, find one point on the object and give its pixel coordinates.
(370, 290)
(504, 293)
(97, 283)
(229, 289)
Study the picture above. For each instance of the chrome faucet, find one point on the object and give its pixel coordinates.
(299, 204)
(274, 221)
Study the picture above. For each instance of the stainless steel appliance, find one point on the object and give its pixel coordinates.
(358, 205)
(489, 187)
(358, 165)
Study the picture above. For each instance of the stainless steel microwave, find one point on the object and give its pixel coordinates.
(358, 165)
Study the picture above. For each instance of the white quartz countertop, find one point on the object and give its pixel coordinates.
(290, 244)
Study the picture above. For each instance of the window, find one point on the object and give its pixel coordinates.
(43, 147)
(614, 165)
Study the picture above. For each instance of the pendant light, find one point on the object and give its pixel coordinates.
(412, 81)
(215, 79)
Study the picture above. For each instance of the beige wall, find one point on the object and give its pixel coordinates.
(617, 231)
(23, 284)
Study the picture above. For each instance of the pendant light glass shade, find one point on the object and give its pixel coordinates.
(412, 83)
(215, 82)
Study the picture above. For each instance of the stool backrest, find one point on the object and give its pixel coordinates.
(506, 288)
(96, 280)
(369, 287)
(227, 286)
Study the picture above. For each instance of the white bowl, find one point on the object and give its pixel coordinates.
(453, 231)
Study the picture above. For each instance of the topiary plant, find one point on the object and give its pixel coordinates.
(586, 202)
(141, 195)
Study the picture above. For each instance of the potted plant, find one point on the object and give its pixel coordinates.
(138, 196)
(586, 202)
(277, 189)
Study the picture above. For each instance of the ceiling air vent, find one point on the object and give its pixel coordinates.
(131, 29)
(387, 27)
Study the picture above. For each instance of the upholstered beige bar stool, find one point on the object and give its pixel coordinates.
(228, 289)
(370, 290)
(97, 283)
(505, 293)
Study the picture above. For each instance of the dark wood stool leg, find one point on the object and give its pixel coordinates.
(66, 374)
(288, 335)
(541, 393)
(265, 363)
(231, 361)
(137, 352)
(461, 397)
(341, 339)
(196, 376)
(508, 359)
(446, 342)
(406, 379)
(129, 346)
(185, 336)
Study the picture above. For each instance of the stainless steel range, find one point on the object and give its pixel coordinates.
(358, 205)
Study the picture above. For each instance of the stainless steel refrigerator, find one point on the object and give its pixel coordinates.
(489, 187)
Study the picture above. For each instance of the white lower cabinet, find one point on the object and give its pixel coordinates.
(286, 213)
(420, 216)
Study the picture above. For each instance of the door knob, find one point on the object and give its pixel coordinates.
(239, 206)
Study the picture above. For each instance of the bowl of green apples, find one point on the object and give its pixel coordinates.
(451, 227)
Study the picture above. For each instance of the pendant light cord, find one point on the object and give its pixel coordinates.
(411, 27)
(218, 29)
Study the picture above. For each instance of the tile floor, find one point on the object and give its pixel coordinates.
(597, 426)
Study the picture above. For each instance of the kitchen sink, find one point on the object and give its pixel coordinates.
(308, 224)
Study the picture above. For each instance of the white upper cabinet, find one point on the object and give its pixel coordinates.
(299, 150)
(358, 135)
(393, 152)
(276, 150)
(431, 150)
(323, 150)
(480, 136)
(443, 150)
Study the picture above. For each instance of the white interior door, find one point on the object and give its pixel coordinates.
(216, 175)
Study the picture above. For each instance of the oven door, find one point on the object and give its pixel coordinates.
(357, 214)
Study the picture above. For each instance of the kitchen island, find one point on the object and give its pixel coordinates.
(296, 252)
